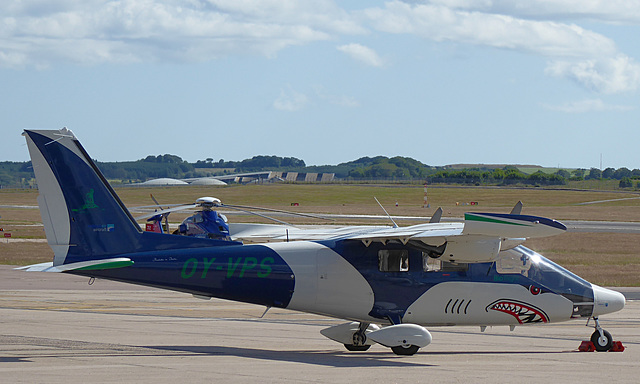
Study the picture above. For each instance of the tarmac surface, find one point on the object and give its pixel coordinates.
(55, 328)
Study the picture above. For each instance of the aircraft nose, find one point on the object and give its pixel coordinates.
(606, 301)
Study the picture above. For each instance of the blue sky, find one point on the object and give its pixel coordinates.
(444, 81)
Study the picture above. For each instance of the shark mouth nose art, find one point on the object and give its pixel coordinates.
(523, 312)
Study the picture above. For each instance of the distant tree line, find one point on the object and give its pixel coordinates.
(505, 176)
(256, 163)
(20, 174)
(16, 174)
(511, 175)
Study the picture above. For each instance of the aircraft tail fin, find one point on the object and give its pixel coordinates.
(84, 219)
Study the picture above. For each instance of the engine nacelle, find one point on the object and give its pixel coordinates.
(401, 335)
(472, 249)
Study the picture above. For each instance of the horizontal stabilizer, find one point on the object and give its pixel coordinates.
(91, 265)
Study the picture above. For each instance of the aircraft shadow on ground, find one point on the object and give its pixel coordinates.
(334, 358)
(324, 358)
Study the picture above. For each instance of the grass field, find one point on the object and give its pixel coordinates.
(603, 258)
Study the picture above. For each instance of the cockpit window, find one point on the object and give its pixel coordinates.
(393, 260)
(545, 273)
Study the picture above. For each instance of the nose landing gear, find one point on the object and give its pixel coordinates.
(602, 340)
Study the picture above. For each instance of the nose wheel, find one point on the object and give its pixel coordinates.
(601, 339)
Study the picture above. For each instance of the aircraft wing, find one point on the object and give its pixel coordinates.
(478, 239)
(277, 232)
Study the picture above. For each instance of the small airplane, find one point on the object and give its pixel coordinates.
(388, 282)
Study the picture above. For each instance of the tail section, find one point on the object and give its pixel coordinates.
(83, 217)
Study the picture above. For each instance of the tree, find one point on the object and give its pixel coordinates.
(621, 172)
(594, 174)
(625, 182)
(608, 173)
(563, 173)
(578, 173)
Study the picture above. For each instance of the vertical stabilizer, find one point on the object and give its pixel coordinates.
(83, 217)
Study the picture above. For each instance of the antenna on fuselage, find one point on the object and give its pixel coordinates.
(517, 209)
(437, 215)
(385, 211)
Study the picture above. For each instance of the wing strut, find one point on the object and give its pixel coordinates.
(385, 211)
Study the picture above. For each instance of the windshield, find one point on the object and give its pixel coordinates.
(546, 274)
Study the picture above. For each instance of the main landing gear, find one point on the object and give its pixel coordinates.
(403, 339)
(359, 339)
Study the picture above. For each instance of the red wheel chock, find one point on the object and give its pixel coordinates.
(587, 346)
(617, 347)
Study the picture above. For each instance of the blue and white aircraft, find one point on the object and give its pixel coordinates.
(389, 283)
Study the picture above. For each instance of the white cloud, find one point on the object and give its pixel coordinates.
(37, 32)
(623, 11)
(362, 54)
(290, 100)
(587, 57)
(607, 75)
(592, 105)
(441, 23)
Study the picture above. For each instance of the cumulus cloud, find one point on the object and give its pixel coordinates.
(290, 100)
(607, 75)
(619, 11)
(587, 57)
(37, 32)
(441, 23)
(363, 54)
(583, 106)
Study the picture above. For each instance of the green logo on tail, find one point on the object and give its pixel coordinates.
(88, 203)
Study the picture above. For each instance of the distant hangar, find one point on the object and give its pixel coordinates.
(245, 178)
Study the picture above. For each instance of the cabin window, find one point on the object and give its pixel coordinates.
(393, 260)
(513, 263)
(429, 264)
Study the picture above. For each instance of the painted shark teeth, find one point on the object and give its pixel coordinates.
(523, 312)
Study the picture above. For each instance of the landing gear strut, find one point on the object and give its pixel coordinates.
(601, 338)
(359, 339)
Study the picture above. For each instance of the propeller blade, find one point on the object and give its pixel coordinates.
(155, 201)
(257, 214)
(168, 210)
(277, 210)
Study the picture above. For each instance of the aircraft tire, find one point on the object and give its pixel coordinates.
(405, 351)
(602, 344)
(357, 348)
